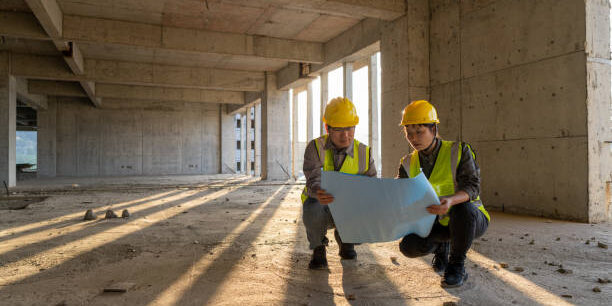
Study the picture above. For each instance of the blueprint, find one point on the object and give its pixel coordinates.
(367, 209)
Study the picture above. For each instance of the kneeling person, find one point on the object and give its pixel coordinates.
(336, 151)
(451, 169)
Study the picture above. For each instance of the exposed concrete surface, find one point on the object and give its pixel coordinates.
(8, 114)
(404, 51)
(275, 144)
(513, 84)
(228, 141)
(210, 243)
(46, 144)
(599, 105)
(136, 138)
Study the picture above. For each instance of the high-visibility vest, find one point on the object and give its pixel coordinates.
(442, 178)
(358, 164)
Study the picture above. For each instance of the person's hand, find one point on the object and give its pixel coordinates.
(324, 197)
(445, 204)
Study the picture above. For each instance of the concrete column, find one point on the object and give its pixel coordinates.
(347, 80)
(324, 98)
(294, 136)
(8, 115)
(248, 122)
(243, 143)
(309, 107)
(404, 48)
(47, 140)
(258, 139)
(228, 141)
(275, 145)
(373, 110)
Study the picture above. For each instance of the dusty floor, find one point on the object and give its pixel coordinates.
(227, 240)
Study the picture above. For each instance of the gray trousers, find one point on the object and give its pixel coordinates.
(317, 219)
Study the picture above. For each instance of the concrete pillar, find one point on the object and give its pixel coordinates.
(47, 140)
(257, 139)
(275, 145)
(227, 132)
(243, 143)
(404, 48)
(347, 80)
(324, 98)
(8, 115)
(294, 135)
(249, 158)
(373, 140)
(599, 110)
(309, 107)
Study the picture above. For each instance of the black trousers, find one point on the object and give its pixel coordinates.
(466, 223)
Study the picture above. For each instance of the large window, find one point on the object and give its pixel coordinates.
(26, 148)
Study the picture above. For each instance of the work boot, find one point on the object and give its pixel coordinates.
(319, 259)
(440, 259)
(347, 250)
(454, 276)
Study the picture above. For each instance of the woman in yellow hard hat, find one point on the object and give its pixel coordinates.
(336, 151)
(451, 169)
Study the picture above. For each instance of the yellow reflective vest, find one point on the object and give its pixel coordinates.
(442, 177)
(358, 164)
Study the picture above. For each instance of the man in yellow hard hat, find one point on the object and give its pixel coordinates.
(451, 169)
(335, 151)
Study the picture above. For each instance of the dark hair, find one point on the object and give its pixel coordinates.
(431, 126)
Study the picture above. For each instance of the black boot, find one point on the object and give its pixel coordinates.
(440, 260)
(454, 276)
(347, 250)
(319, 259)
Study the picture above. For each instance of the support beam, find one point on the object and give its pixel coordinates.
(347, 80)
(37, 102)
(132, 73)
(122, 33)
(257, 139)
(249, 155)
(243, 143)
(362, 40)
(275, 145)
(381, 9)
(50, 16)
(56, 88)
(21, 25)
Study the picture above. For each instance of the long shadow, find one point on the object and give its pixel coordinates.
(206, 287)
(95, 228)
(364, 282)
(319, 291)
(78, 218)
(163, 280)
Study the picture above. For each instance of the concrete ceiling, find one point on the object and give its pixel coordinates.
(207, 37)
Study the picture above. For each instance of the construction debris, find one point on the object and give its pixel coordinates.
(602, 245)
(519, 269)
(503, 265)
(89, 215)
(603, 280)
(110, 214)
(125, 214)
(596, 289)
(120, 287)
(569, 296)
(564, 271)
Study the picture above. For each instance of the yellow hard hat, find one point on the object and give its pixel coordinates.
(340, 112)
(419, 112)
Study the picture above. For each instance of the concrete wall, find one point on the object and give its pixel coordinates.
(404, 49)
(142, 138)
(228, 141)
(8, 112)
(599, 114)
(509, 77)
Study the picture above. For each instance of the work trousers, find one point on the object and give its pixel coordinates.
(317, 219)
(466, 223)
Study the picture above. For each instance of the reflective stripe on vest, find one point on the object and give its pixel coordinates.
(442, 177)
(351, 165)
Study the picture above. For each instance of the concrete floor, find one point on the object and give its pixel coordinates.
(227, 240)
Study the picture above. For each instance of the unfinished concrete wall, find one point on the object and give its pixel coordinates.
(8, 112)
(599, 109)
(509, 77)
(228, 141)
(275, 143)
(404, 52)
(139, 138)
(46, 142)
